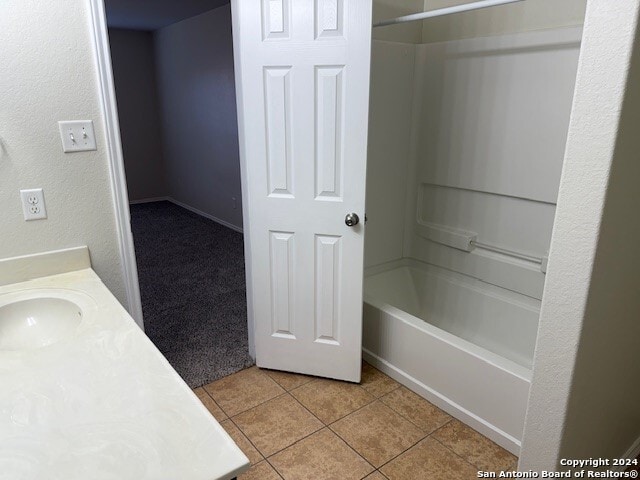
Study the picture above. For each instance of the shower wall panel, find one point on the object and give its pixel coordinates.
(390, 115)
(489, 142)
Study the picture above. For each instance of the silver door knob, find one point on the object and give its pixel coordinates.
(351, 219)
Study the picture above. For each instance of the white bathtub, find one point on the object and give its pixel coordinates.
(465, 345)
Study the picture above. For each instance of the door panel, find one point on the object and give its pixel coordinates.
(302, 77)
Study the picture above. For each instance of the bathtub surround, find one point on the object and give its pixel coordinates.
(521, 17)
(192, 285)
(448, 122)
(483, 106)
(513, 18)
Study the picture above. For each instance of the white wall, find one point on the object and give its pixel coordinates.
(491, 127)
(133, 62)
(48, 73)
(584, 396)
(390, 110)
(518, 17)
(198, 110)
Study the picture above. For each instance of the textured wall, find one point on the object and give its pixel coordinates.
(48, 73)
(583, 399)
(198, 102)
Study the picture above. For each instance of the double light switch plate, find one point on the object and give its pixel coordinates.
(77, 136)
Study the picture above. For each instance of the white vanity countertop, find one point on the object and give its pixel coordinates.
(103, 404)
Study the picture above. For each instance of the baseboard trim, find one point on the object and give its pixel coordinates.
(149, 200)
(224, 223)
(485, 428)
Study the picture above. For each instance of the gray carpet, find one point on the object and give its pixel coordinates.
(192, 284)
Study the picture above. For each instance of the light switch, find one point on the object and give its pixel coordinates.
(77, 136)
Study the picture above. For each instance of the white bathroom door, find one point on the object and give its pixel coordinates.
(302, 80)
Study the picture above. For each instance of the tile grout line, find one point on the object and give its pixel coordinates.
(304, 438)
(324, 425)
(411, 421)
(355, 451)
(384, 394)
(251, 408)
(278, 451)
(294, 443)
(451, 449)
(327, 426)
(216, 404)
(459, 456)
(421, 440)
(352, 448)
(382, 474)
(242, 431)
(274, 468)
(343, 416)
(311, 379)
(248, 440)
(288, 391)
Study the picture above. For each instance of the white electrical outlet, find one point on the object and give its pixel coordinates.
(77, 136)
(33, 207)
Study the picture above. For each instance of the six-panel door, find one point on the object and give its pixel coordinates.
(302, 76)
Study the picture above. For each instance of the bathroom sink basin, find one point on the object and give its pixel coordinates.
(37, 322)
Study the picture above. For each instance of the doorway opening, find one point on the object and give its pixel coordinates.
(175, 89)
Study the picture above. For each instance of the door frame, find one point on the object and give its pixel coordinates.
(246, 218)
(127, 254)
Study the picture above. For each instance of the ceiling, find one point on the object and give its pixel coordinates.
(154, 14)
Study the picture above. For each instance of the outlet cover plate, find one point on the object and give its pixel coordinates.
(33, 206)
(77, 136)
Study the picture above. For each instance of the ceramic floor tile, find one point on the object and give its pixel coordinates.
(375, 476)
(330, 400)
(243, 442)
(474, 447)
(416, 409)
(276, 424)
(377, 433)
(212, 406)
(375, 382)
(321, 456)
(261, 471)
(243, 390)
(287, 380)
(429, 459)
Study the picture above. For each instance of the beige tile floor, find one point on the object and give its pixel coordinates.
(295, 427)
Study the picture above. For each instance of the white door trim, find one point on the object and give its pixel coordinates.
(116, 162)
(246, 218)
